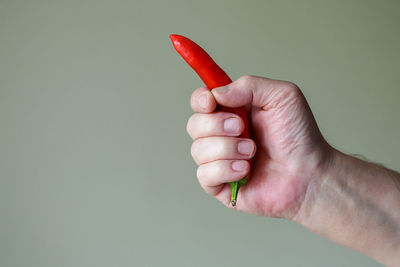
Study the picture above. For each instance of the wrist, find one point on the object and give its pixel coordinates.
(351, 202)
(321, 174)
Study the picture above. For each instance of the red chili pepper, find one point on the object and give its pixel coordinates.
(213, 76)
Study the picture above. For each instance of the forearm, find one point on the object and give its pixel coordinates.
(356, 204)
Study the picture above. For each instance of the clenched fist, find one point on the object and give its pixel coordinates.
(287, 148)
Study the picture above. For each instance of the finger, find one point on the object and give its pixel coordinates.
(209, 149)
(258, 91)
(214, 124)
(202, 101)
(213, 175)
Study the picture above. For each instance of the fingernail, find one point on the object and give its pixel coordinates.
(239, 165)
(246, 147)
(220, 90)
(203, 101)
(232, 126)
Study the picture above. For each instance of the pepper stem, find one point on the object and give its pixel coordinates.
(235, 190)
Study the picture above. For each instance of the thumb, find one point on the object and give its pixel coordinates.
(258, 91)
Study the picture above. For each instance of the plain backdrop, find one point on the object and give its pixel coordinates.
(95, 165)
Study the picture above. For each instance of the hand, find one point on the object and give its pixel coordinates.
(295, 174)
(291, 151)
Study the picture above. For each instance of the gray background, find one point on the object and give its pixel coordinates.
(95, 168)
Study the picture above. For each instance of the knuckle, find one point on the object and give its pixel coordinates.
(245, 79)
(192, 99)
(290, 86)
(290, 91)
(199, 91)
(196, 94)
(199, 174)
(202, 101)
(205, 175)
(194, 151)
(202, 177)
(189, 125)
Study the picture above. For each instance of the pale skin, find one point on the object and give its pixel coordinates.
(295, 173)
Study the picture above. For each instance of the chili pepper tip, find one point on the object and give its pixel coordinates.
(233, 202)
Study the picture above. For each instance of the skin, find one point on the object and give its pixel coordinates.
(295, 173)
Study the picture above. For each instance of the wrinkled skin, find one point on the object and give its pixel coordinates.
(290, 150)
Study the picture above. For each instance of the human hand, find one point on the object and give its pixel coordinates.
(295, 173)
(291, 151)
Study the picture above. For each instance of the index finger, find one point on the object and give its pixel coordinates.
(203, 101)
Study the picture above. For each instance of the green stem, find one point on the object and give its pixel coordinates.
(235, 190)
